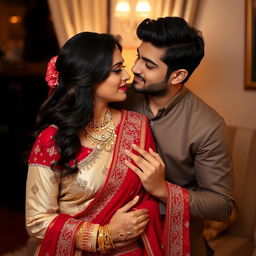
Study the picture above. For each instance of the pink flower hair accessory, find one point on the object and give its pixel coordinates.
(52, 75)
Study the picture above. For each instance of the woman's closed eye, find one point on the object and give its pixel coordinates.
(119, 69)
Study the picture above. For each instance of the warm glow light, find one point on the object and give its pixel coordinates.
(127, 16)
(143, 6)
(14, 19)
(122, 7)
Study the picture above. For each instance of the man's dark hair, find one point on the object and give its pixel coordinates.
(184, 44)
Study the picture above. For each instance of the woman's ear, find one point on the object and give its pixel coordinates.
(178, 76)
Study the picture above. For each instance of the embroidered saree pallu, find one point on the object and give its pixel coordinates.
(119, 186)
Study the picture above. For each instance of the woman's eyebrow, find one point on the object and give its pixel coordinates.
(118, 64)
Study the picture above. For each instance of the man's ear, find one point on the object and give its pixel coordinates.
(178, 76)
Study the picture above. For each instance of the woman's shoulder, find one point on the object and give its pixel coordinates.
(44, 147)
(47, 135)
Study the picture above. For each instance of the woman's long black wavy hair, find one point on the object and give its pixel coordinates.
(83, 61)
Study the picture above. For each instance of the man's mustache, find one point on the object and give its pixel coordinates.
(139, 76)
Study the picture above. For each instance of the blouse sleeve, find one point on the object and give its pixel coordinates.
(41, 200)
(42, 194)
(42, 186)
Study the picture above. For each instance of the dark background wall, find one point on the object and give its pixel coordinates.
(25, 48)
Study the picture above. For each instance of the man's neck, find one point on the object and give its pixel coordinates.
(159, 102)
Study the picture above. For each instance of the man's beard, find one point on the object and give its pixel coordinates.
(157, 89)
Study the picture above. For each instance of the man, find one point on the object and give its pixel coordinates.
(190, 136)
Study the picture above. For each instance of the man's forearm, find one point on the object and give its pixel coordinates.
(210, 205)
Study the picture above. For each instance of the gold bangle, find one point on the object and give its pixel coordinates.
(87, 237)
(101, 240)
(107, 237)
(79, 238)
(105, 241)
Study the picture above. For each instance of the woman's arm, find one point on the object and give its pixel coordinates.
(41, 200)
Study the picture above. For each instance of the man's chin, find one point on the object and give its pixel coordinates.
(155, 92)
(136, 87)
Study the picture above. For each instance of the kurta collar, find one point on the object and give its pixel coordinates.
(171, 104)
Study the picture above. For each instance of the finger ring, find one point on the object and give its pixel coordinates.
(122, 236)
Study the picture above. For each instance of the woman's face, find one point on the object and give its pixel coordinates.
(113, 89)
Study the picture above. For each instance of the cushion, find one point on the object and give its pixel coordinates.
(214, 228)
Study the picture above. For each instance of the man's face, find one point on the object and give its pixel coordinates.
(150, 71)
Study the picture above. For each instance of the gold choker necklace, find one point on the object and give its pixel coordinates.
(106, 140)
(101, 124)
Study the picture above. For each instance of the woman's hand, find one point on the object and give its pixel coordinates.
(127, 225)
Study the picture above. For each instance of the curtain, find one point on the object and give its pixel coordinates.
(182, 8)
(73, 16)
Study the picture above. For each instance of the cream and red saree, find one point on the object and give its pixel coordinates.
(119, 187)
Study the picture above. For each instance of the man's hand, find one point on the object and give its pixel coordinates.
(150, 169)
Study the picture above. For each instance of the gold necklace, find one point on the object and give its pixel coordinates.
(104, 141)
(101, 124)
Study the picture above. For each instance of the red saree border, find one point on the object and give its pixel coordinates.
(60, 224)
(177, 235)
(131, 123)
(67, 234)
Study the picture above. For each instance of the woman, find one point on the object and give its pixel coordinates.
(76, 177)
(81, 198)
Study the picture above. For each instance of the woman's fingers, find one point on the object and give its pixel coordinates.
(139, 212)
(129, 205)
(137, 230)
(142, 217)
(127, 222)
(134, 232)
(137, 226)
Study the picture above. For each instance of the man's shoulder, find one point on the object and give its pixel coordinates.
(200, 108)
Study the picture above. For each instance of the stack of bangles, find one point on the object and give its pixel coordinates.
(105, 242)
(89, 235)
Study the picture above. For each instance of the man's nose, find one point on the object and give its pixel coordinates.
(136, 68)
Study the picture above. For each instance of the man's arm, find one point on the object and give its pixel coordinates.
(213, 199)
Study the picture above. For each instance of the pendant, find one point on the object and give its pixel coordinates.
(99, 146)
(108, 148)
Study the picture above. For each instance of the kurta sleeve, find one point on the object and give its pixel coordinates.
(213, 169)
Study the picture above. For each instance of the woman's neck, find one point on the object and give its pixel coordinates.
(99, 111)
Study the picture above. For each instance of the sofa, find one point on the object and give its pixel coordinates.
(240, 237)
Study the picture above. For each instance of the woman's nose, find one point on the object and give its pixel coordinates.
(126, 76)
